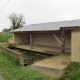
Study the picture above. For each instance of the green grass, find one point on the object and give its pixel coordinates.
(74, 75)
(4, 36)
(73, 66)
(71, 72)
(13, 71)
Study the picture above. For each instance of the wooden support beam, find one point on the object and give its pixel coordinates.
(72, 28)
(56, 38)
(31, 42)
(62, 41)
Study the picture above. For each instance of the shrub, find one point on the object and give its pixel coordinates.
(69, 71)
(74, 75)
(73, 66)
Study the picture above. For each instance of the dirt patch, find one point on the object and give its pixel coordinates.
(1, 78)
(56, 62)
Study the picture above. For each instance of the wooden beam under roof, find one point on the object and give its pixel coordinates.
(57, 31)
(71, 28)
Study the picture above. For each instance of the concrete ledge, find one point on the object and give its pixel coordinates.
(52, 72)
(5, 44)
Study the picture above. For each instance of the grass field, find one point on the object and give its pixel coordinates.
(4, 37)
(12, 71)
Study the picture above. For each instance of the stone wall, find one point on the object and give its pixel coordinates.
(75, 46)
(13, 53)
(21, 38)
(49, 40)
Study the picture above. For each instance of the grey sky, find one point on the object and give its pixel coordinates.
(40, 11)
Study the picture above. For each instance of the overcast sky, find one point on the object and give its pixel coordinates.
(40, 11)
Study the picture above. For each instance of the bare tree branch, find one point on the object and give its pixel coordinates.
(16, 20)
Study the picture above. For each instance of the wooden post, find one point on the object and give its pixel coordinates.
(31, 44)
(62, 41)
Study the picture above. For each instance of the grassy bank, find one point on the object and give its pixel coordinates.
(71, 72)
(4, 36)
(13, 71)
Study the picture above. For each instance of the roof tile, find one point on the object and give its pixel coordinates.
(49, 26)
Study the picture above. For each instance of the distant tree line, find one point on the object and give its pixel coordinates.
(6, 30)
(17, 21)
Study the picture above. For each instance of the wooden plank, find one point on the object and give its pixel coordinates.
(62, 41)
(55, 31)
(72, 28)
(31, 44)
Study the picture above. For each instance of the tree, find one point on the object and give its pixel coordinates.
(16, 20)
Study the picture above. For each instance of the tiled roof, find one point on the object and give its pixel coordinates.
(49, 26)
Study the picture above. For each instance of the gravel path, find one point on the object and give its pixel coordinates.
(1, 77)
